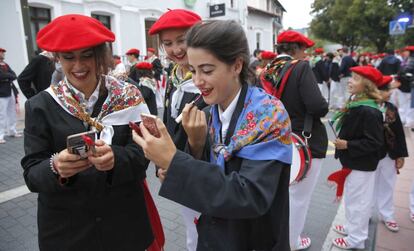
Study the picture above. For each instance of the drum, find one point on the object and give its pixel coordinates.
(301, 159)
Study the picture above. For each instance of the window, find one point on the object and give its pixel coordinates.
(39, 18)
(105, 20)
(151, 41)
(257, 40)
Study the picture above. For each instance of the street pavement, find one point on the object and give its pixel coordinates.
(18, 229)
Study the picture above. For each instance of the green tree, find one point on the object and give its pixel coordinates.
(330, 17)
(357, 22)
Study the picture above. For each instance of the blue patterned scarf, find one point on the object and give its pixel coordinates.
(262, 131)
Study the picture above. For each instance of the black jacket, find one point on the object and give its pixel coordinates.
(406, 76)
(244, 208)
(133, 73)
(390, 65)
(36, 76)
(395, 144)
(320, 71)
(301, 96)
(150, 100)
(363, 129)
(346, 63)
(96, 210)
(7, 76)
(157, 68)
(333, 69)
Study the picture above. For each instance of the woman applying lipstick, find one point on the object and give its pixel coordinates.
(171, 28)
(94, 203)
(241, 183)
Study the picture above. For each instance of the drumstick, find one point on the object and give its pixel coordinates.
(180, 117)
(333, 129)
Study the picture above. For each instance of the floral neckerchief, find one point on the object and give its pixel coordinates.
(262, 131)
(182, 85)
(359, 101)
(271, 77)
(120, 96)
(176, 79)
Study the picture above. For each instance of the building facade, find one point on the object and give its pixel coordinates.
(130, 20)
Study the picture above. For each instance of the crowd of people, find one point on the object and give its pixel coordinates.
(225, 145)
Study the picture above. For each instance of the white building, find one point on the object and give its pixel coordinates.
(130, 20)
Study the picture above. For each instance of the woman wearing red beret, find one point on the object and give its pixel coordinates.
(237, 170)
(171, 28)
(94, 201)
(358, 147)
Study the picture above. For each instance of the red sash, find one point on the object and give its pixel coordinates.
(154, 217)
(338, 179)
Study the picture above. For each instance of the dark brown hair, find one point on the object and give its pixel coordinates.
(103, 59)
(226, 40)
(145, 73)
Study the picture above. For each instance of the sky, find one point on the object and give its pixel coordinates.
(297, 13)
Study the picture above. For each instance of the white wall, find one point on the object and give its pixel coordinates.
(12, 36)
(127, 21)
(263, 25)
(74, 8)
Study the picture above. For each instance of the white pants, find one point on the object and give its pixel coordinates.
(323, 87)
(191, 231)
(358, 196)
(299, 198)
(339, 93)
(386, 176)
(7, 116)
(412, 199)
(405, 110)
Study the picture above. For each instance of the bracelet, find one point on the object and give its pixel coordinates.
(52, 165)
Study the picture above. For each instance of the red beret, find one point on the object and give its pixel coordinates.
(73, 32)
(381, 55)
(177, 18)
(268, 55)
(385, 81)
(368, 72)
(375, 57)
(319, 50)
(291, 36)
(132, 51)
(144, 65)
(409, 48)
(2, 50)
(151, 50)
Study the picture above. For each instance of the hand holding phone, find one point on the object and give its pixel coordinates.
(150, 122)
(76, 143)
